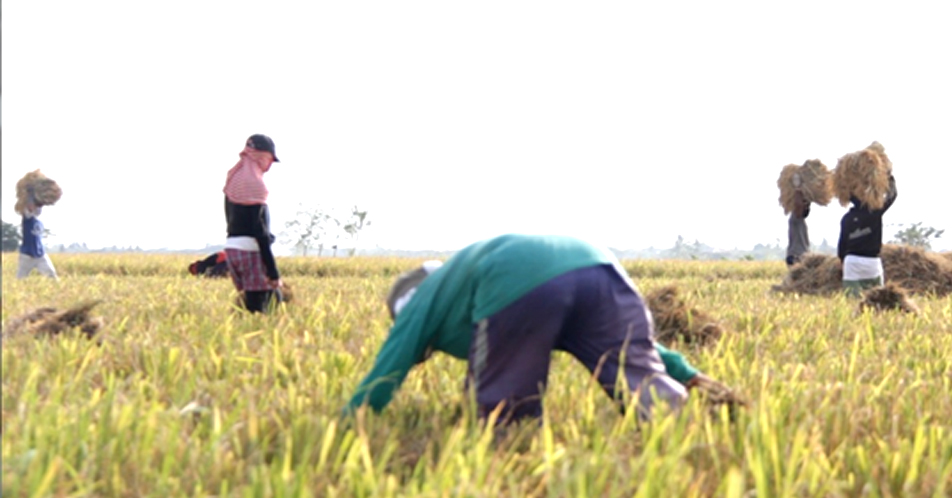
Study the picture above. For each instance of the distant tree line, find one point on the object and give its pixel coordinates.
(317, 229)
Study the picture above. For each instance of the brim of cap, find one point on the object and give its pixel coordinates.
(405, 282)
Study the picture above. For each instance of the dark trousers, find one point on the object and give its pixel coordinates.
(259, 301)
(591, 313)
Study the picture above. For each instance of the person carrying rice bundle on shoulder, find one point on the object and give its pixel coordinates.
(34, 191)
(504, 304)
(798, 237)
(865, 180)
(248, 246)
(801, 186)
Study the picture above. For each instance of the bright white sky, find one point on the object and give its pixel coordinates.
(628, 123)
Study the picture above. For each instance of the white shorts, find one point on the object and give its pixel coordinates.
(42, 264)
(861, 268)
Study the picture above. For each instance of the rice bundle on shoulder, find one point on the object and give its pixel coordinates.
(36, 187)
(864, 175)
(812, 178)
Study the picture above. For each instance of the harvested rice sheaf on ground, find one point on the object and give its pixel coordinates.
(886, 298)
(863, 174)
(812, 178)
(814, 274)
(36, 186)
(674, 320)
(48, 322)
(913, 269)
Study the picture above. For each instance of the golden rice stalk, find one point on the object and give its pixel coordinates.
(864, 175)
(36, 187)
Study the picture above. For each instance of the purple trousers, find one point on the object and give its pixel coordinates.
(591, 313)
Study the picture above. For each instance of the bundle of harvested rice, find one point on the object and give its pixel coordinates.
(812, 178)
(912, 268)
(39, 189)
(716, 394)
(864, 175)
(814, 274)
(916, 270)
(48, 322)
(674, 320)
(888, 297)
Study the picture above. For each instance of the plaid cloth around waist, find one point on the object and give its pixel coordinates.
(247, 270)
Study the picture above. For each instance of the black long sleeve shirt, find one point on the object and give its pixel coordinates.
(861, 229)
(253, 220)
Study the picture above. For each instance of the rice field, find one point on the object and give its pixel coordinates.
(185, 396)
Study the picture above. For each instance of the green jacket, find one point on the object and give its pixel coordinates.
(475, 283)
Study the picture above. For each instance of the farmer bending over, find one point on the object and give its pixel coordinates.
(505, 304)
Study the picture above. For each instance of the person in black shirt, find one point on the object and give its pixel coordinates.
(861, 239)
(248, 246)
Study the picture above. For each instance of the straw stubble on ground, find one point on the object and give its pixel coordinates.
(187, 397)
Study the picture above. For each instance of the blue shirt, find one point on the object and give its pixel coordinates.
(32, 244)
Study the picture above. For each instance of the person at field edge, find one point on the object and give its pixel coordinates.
(798, 238)
(861, 239)
(214, 265)
(505, 304)
(33, 256)
(248, 246)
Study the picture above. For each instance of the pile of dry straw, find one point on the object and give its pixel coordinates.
(39, 189)
(911, 268)
(674, 320)
(864, 175)
(888, 297)
(48, 322)
(812, 178)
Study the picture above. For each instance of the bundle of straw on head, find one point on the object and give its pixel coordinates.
(788, 183)
(36, 188)
(812, 179)
(817, 182)
(863, 175)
